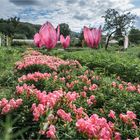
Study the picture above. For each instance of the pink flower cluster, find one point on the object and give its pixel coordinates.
(79, 112)
(53, 98)
(50, 61)
(35, 77)
(51, 133)
(93, 87)
(6, 106)
(72, 96)
(129, 118)
(25, 88)
(65, 116)
(49, 99)
(112, 114)
(126, 86)
(91, 100)
(37, 111)
(96, 128)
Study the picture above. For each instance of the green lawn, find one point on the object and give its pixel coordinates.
(8, 57)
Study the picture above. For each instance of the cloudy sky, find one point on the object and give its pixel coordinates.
(76, 13)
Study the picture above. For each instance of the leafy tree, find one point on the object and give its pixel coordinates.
(81, 37)
(134, 36)
(117, 23)
(7, 29)
(64, 29)
(14, 28)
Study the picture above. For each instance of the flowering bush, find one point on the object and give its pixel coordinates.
(66, 100)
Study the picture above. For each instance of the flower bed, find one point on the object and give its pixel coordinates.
(68, 101)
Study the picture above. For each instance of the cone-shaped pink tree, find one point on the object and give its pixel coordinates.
(47, 36)
(92, 37)
(65, 41)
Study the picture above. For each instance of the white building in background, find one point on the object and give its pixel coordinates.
(28, 41)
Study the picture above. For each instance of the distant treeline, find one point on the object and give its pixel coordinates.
(14, 28)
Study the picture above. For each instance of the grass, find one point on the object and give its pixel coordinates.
(121, 63)
(8, 57)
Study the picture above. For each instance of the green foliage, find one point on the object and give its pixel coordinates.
(117, 23)
(13, 28)
(64, 29)
(120, 64)
(134, 36)
(19, 36)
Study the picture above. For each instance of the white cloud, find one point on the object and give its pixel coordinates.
(76, 13)
(136, 11)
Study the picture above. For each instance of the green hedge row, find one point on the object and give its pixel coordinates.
(108, 63)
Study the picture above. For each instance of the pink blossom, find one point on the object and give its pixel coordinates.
(114, 84)
(51, 132)
(129, 118)
(131, 115)
(131, 88)
(35, 77)
(93, 87)
(85, 88)
(117, 136)
(71, 96)
(83, 94)
(6, 109)
(37, 111)
(92, 97)
(95, 127)
(112, 114)
(89, 102)
(19, 102)
(3, 102)
(136, 138)
(65, 116)
(12, 103)
(121, 87)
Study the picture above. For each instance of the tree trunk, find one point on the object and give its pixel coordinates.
(107, 42)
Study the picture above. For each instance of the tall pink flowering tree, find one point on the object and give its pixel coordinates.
(47, 36)
(92, 36)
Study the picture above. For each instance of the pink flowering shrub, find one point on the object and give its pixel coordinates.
(8, 106)
(129, 118)
(51, 62)
(96, 128)
(35, 77)
(65, 116)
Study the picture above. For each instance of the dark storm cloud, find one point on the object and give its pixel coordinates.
(24, 2)
(82, 3)
(71, 1)
(79, 16)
